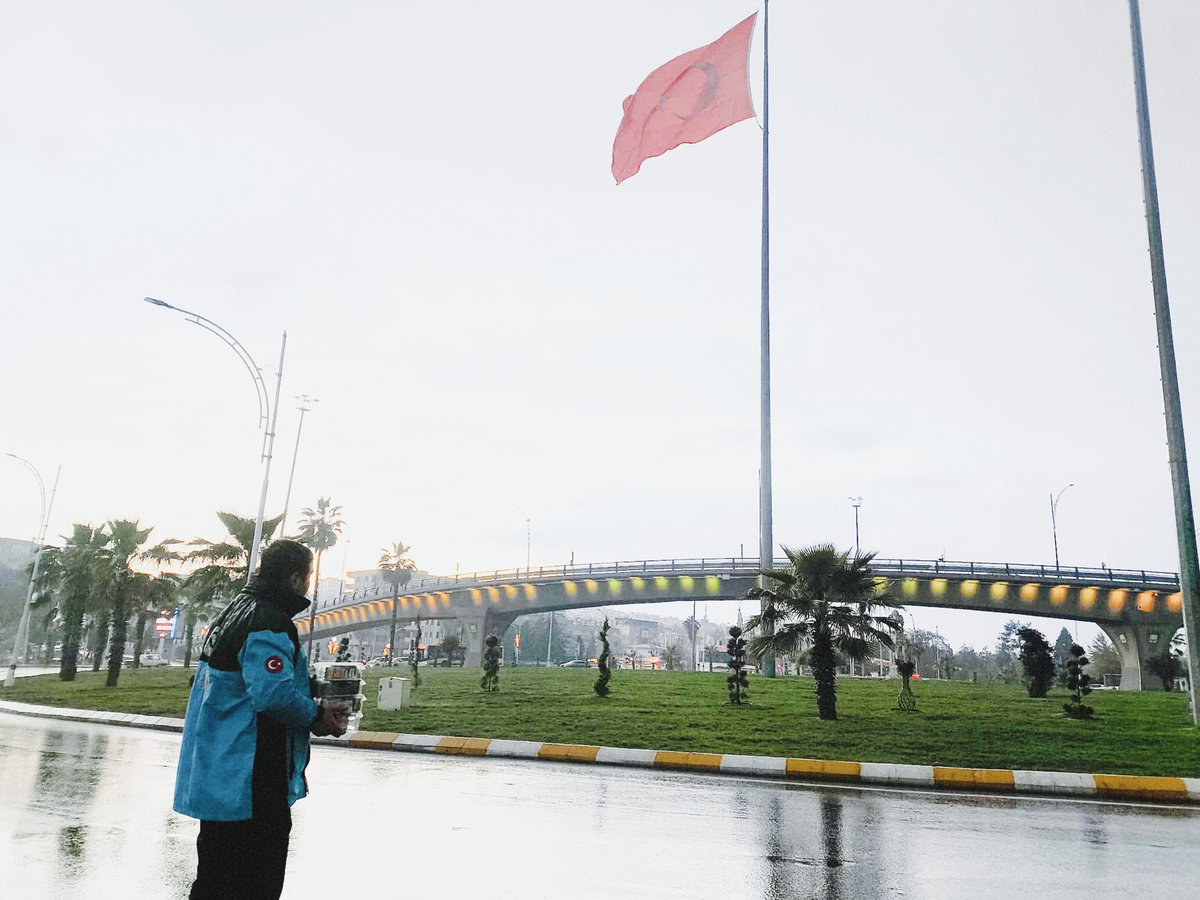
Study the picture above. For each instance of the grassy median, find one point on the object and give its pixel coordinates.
(956, 724)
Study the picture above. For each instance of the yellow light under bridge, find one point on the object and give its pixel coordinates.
(1087, 597)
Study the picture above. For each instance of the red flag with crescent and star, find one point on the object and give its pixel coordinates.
(685, 101)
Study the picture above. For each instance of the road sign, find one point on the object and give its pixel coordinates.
(164, 626)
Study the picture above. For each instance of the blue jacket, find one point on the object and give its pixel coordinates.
(246, 734)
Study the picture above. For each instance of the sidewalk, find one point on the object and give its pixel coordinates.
(1001, 781)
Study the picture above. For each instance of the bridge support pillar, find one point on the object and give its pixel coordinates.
(478, 627)
(1135, 644)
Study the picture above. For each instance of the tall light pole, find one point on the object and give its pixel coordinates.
(856, 502)
(1181, 488)
(766, 539)
(1054, 498)
(21, 642)
(287, 499)
(528, 545)
(268, 414)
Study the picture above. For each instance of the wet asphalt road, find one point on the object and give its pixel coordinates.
(85, 812)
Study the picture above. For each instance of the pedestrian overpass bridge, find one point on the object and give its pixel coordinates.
(1139, 610)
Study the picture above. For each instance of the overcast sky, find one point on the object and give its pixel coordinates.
(420, 194)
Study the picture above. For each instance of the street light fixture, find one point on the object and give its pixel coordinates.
(856, 502)
(267, 414)
(21, 643)
(303, 407)
(1054, 498)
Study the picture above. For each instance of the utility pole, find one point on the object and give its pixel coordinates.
(1185, 525)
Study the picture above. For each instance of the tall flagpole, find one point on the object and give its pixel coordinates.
(1185, 526)
(766, 541)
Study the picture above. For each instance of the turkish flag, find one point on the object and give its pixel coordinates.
(690, 98)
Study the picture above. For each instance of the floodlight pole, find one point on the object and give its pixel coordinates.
(287, 498)
(1185, 525)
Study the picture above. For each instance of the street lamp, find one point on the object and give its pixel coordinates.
(267, 415)
(856, 502)
(304, 399)
(21, 643)
(1054, 498)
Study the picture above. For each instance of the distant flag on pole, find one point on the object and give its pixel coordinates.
(686, 100)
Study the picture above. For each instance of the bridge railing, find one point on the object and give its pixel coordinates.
(1143, 579)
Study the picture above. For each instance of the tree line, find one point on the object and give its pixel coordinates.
(94, 595)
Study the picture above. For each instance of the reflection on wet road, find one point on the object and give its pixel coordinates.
(85, 811)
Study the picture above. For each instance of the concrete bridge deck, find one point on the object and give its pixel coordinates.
(1138, 609)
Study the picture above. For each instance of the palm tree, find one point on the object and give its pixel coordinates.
(202, 606)
(823, 600)
(223, 570)
(319, 530)
(45, 601)
(77, 573)
(126, 539)
(399, 569)
(232, 555)
(153, 594)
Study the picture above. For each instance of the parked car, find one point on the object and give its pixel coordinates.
(574, 664)
(150, 660)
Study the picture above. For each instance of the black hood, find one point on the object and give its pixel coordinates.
(281, 596)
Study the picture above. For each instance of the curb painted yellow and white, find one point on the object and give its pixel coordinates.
(999, 781)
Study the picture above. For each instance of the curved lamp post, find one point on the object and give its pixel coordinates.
(267, 413)
(21, 643)
(1054, 498)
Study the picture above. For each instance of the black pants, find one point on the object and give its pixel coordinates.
(242, 860)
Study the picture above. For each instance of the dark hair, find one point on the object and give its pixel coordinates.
(283, 559)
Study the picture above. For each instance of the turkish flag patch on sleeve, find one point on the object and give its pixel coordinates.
(274, 664)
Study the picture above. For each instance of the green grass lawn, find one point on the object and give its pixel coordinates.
(956, 724)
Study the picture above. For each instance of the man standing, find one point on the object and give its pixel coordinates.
(245, 738)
